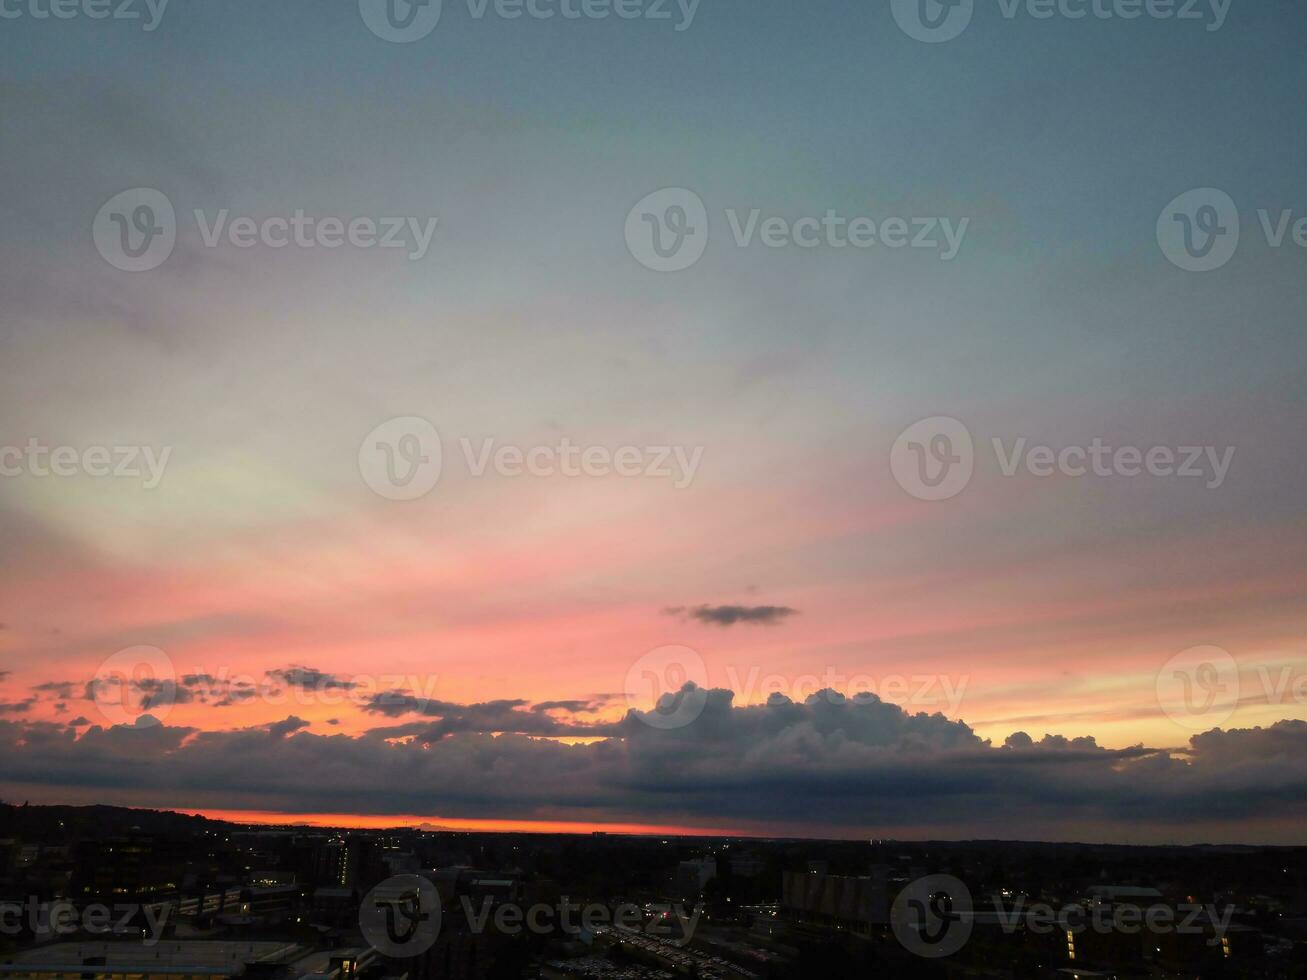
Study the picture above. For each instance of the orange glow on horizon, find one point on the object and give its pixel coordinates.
(355, 821)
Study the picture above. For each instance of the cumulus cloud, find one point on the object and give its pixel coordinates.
(59, 690)
(163, 693)
(310, 679)
(576, 706)
(235, 696)
(287, 726)
(217, 691)
(730, 615)
(829, 765)
(157, 692)
(509, 715)
(151, 692)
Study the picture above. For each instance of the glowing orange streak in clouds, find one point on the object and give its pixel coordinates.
(355, 821)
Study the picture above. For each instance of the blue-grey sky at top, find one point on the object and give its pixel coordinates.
(1060, 140)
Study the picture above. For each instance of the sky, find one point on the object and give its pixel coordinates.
(225, 602)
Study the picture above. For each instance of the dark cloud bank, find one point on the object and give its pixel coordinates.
(827, 767)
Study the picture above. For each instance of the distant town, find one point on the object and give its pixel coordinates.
(106, 893)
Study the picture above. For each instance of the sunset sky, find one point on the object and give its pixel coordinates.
(467, 658)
